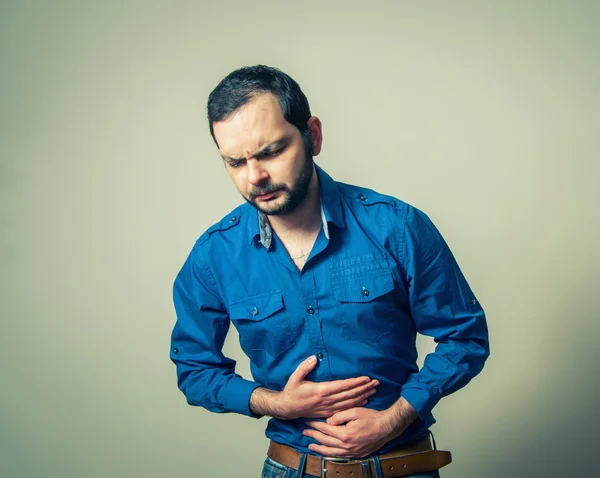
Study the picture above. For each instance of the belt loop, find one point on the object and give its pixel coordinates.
(432, 440)
(377, 466)
(301, 466)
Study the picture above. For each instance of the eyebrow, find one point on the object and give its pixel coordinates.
(266, 149)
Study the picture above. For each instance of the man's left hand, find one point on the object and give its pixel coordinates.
(357, 432)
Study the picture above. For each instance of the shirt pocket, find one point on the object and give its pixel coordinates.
(262, 325)
(365, 304)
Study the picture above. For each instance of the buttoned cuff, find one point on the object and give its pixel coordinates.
(422, 401)
(236, 396)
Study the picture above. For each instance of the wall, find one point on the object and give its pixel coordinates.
(483, 114)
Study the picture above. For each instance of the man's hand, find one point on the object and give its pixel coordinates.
(359, 432)
(302, 398)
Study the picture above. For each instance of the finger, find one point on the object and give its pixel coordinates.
(342, 417)
(332, 431)
(364, 391)
(323, 439)
(330, 451)
(303, 370)
(343, 402)
(337, 407)
(337, 386)
(341, 406)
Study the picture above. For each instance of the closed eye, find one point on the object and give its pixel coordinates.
(235, 163)
(269, 154)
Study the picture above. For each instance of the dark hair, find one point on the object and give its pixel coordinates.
(244, 84)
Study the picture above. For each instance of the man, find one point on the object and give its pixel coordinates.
(327, 285)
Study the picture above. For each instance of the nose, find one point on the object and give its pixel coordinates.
(256, 172)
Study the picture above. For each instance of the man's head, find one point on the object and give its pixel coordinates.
(260, 120)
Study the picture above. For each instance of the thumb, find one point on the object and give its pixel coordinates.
(342, 417)
(303, 370)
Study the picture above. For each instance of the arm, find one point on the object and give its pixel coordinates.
(359, 432)
(444, 307)
(303, 398)
(205, 376)
(208, 378)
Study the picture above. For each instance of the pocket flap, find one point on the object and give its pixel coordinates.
(363, 289)
(257, 307)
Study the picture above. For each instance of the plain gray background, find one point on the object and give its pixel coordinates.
(483, 114)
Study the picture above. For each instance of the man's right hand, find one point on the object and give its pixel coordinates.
(303, 398)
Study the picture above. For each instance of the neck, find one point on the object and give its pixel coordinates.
(306, 217)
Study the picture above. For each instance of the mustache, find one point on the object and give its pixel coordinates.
(270, 188)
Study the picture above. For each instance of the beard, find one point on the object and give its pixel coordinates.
(293, 195)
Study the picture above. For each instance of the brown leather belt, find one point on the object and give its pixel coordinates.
(418, 457)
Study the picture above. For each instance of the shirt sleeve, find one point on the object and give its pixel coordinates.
(443, 307)
(205, 376)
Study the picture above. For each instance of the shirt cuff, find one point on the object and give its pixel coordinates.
(236, 396)
(422, 401)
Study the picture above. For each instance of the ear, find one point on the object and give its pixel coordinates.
(316, 133)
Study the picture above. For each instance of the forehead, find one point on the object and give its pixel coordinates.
(258, 122)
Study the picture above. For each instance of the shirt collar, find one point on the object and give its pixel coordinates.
(331, 211)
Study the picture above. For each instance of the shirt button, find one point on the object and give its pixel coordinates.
(320, 355)
(365, 291)
(255, 311)
(310, 310)
(233, 219)
(362, 198)
(175, 350)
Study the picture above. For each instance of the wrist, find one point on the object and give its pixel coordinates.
(399, 416)
(264, 401)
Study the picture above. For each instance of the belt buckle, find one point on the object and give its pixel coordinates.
(364, 463)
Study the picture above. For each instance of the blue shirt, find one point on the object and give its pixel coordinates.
(378, 273)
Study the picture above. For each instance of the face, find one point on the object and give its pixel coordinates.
(265, 155)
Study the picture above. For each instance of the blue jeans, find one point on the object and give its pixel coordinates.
(272, 469)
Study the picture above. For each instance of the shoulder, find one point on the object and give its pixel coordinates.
(218, 239)
(386, 213)
(373, 202)
(229, 226)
